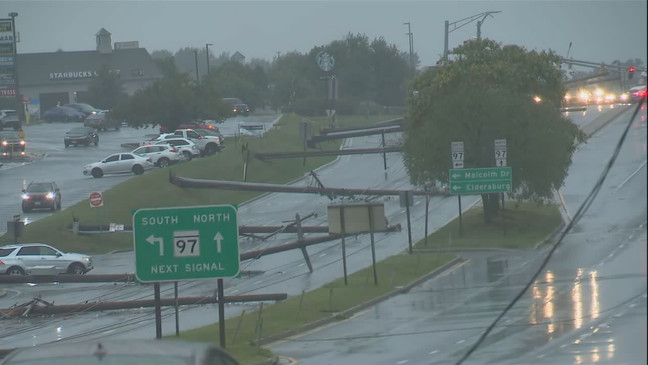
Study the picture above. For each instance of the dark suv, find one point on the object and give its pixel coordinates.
(11, 144)
(41, 195)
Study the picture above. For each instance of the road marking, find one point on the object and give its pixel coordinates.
(460, 342)
(433, 352)
(631, 175)
(403, 362)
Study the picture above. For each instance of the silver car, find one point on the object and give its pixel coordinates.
(121, 352)
(162, 155)
(119, 163)
(39, 258)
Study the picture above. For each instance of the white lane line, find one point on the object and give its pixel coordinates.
(402, 362)
(433, 352)
(631, 175)
(460, 342)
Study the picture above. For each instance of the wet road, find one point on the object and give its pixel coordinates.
(588, 306)
(282, 273)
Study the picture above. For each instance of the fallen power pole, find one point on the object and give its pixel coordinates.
(350, 151)
(186, 182)
(40, 307)
(327, 137)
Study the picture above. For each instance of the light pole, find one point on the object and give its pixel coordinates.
(207, 51)
(13, 16)
(196, 57)
(460, 23)
(411, 44)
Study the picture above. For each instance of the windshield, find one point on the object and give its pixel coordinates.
(39, 188)
(409, 182)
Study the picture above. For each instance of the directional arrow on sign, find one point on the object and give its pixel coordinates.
(455, 187)
(218, 238)
(456, 175)
(152, 239)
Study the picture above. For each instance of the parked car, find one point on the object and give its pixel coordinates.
(108, 351)
(9, 119)
(86, 109)
(81, 136)
(162, 155)
(119, 163)
(101, 121)
(63, 114)
(41, 195)
(35, 258)
(241, 109)
(11, 143)
(185, 147)
(212, 132)
(207, 144)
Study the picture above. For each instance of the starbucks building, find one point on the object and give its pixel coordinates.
(46, 79)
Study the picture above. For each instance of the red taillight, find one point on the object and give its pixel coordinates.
(149, 160)
(1, 263)
(173, 150)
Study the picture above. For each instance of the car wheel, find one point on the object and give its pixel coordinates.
(187, 155)
(67, 145)
(76, 269)
(26, 209)
(15, 270)
(163, 162)
(97, 172)
(210, 149)
(58, 206)
(96, 142)
(138, 170)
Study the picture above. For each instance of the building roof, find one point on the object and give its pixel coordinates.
(134, 64)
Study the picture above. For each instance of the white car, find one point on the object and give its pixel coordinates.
(119, 163)
(187, 148)
(162, 155)
(39, 258)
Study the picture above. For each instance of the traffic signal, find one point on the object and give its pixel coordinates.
(631, 71)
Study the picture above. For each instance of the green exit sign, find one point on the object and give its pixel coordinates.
(481, 180)
(173, 244)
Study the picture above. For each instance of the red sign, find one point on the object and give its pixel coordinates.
(96, 199)
(26, 99)
(9, 91)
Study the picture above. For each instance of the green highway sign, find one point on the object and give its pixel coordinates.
(481, 180)
(184, 243)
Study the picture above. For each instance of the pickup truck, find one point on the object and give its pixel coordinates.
(207, 144)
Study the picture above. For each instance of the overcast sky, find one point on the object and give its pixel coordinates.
(600, 31)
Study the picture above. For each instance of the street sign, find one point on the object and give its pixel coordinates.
(457, 153)
(500, 152)
(481, 180)
(186, 243)
(96, 199)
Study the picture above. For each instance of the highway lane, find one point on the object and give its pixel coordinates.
(599, 273)
(282, 273)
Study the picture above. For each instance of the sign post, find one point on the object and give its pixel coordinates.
(96, 200)
(500, 160)
(457, 154)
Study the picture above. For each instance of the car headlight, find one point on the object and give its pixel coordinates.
(85, 259)
(50, 195)
(25, 196)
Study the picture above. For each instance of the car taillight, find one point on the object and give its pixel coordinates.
(1, 263)
(149, 160)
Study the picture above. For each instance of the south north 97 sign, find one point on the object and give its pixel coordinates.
(185, 243)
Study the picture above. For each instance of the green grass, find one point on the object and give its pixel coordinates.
(153, 189)
(523, 225)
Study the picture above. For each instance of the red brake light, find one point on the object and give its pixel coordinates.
(173, 150)
(149, 159)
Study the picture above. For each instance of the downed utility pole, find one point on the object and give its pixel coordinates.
(350, 151)
(34, 308)
(186, 182)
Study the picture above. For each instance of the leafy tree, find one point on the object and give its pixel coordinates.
(106, 91)
(488, 93)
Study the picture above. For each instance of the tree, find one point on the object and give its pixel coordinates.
(488, 93)
(106, 91)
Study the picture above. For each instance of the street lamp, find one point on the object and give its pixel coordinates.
(411, 44)
(207, 51)
(13, 16)
(460, 23)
